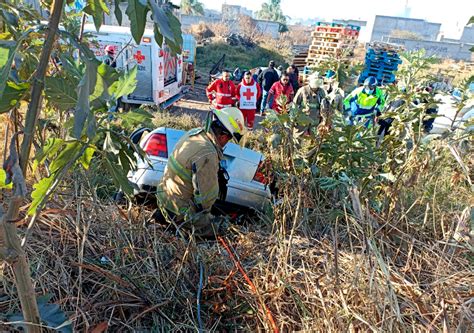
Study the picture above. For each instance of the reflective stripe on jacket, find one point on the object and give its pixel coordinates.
(190, 184)
(223, 91)
(367, 104)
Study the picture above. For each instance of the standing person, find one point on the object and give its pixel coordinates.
(190, 183)
(334, 93)
(111, 61)
(365, 103)
(295, 69)
(279, 71)
(255, 78)
(266, 79)
(293, 78)
(280, 89)
(110, 56)
(310, 97)
(221, 92)
(248, 94)
(256, 74)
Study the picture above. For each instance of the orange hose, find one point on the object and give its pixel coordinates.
(250, 283)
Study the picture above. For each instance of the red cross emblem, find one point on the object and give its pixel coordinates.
(160, 68)
(179, 62)
(249, 94)
(139, 57)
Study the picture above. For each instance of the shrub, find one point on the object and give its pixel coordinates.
(201, 31)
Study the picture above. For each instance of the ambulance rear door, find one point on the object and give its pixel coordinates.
(140, 56)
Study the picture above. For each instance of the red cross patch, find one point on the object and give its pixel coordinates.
(139, 57)
(160, 68)
(248, 94)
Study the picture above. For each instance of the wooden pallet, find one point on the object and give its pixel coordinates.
(317, 43)
(329, 29)
(325, 57)
(386, 47)
(351, 37)
(324, 49)
(327, 39)
(317, 59)
(328, 24)
(340, 45)
(326, 34)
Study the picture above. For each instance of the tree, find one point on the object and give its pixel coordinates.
(83, 87)
(248, 28)
(192, 7)
(271, 11)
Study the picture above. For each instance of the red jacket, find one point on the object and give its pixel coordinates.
(277, 90)
(224, 92)
(248, 95)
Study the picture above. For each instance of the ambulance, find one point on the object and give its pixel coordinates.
(159, 72)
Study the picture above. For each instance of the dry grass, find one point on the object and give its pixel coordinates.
(326, 262)
(182, 121)
(314, 271)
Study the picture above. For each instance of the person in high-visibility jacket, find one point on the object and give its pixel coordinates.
(221, 92)
(190, 184)
(365, 103)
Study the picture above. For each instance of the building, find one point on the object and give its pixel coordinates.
(358, 23)
(384, 26)
(442, 49)
(231, 12)
(468, 34)
(415, 34)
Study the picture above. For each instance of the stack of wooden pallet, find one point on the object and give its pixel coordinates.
(299, 60)
(330, 41)
(381, 62)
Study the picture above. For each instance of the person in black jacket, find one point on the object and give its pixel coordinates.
(266, 79)
(293, 78)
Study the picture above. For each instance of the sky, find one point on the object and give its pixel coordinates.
(452, 14)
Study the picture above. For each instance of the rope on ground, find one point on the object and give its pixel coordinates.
(237, 263)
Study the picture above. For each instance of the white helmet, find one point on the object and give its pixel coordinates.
(315, 82)
(233, 121)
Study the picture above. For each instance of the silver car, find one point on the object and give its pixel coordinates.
(247, 187)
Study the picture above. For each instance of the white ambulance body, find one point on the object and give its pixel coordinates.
(159, 75)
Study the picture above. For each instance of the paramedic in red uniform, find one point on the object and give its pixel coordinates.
(221, 92)
(248, 93)
(279, 89)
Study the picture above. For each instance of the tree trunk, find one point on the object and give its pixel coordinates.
(18, 259)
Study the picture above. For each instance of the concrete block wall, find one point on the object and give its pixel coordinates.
(443, 49)
(384, 25)
(468, 34)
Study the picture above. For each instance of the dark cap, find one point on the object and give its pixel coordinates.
(247, 73)
(271, 63)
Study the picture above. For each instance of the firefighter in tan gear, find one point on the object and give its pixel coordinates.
(190, 185)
